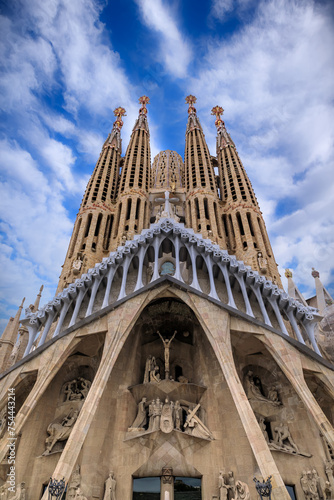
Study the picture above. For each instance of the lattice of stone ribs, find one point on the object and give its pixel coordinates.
(264, 290)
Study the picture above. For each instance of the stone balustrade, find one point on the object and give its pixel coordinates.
(270, 299)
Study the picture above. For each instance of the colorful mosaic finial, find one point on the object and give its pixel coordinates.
(119, 112)
(143, 101)
(315, 273)
(191, 99)
(217, 111)
(288, 273)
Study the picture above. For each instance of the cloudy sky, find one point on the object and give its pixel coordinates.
(66, 64)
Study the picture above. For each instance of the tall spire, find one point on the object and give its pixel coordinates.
(132, 208)
(244, 228)
(202, 209)
(324, 298)
(92, 235)
(38, 298)
(8, 338)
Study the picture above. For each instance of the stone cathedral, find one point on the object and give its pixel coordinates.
(171, 364)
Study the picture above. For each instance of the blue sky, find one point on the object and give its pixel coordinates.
(65, 65)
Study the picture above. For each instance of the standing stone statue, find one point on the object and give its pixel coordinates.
(20, 493)
(166, 343)
(177, 416)
(141, 418)
(157, 409)
(79, 495)
(231, 485)
(149, 366)
(223, 488)
(263, 428)
(74, 483)
(309, 486)
(166, 419)
(194, 426)
(320, 484)
(110, 487)
(328, 490)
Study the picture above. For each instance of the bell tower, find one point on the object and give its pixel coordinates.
(135, 182)
(92, 235)
(243, 225)
(202, 213)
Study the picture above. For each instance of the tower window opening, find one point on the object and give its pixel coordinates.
(98, 225)
(137, 208)
(93, 246)
(107, 233)
(197, 208)
(89, 220)
(128, 209)
(206, 210)
(241, 227)
(250, 223)
(225, 225)
(75, 237)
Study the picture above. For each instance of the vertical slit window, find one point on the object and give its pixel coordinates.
(128, 209)
(98, 225)
(241, 227)
(137, 209)
(250, 223)
(89, 220)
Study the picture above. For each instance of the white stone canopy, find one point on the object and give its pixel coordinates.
(267, 294)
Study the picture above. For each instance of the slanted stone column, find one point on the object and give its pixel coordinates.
(120, 322)
(218, 334)
(291, 366)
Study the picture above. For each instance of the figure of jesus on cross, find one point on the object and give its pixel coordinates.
(166, 343)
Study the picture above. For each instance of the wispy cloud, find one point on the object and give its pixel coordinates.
(274, 78)
(174, 50)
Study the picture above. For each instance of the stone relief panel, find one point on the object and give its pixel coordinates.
(230, 489)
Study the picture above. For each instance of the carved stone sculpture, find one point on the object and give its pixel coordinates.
(241, 491)
(79, 495)
(309, 486)
(74, 483)
(20, 493)
(263, 428)
(254, 393)
(194, 426)
(141, 418)
(166, 419)
(155, 375)
(329, 473)
(149, 367)
(223, 488)
(157, 409)
(167, 343)
(231, 485)
(177, 416)
(328, 490)
(110, 487)
(77, 389)
(60, 431)
(283, 438)
(320, 484)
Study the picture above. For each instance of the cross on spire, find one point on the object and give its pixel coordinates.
(143, 101)
(119, 112)
(191, 99)
(217, 111)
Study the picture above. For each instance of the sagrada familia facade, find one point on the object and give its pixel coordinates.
(171, 364)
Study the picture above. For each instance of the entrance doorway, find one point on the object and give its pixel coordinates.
(187, 488)
(146, 488)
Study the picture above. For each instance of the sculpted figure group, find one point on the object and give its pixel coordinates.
(77, 389)
(168, 415)
(314, 487)
(229, 489)
(282, 438)
(60, 431)
(254, 392)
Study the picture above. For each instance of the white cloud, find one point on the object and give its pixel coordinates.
(175, 50)
(275, 80)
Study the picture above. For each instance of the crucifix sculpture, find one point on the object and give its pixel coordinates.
(166, 343)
